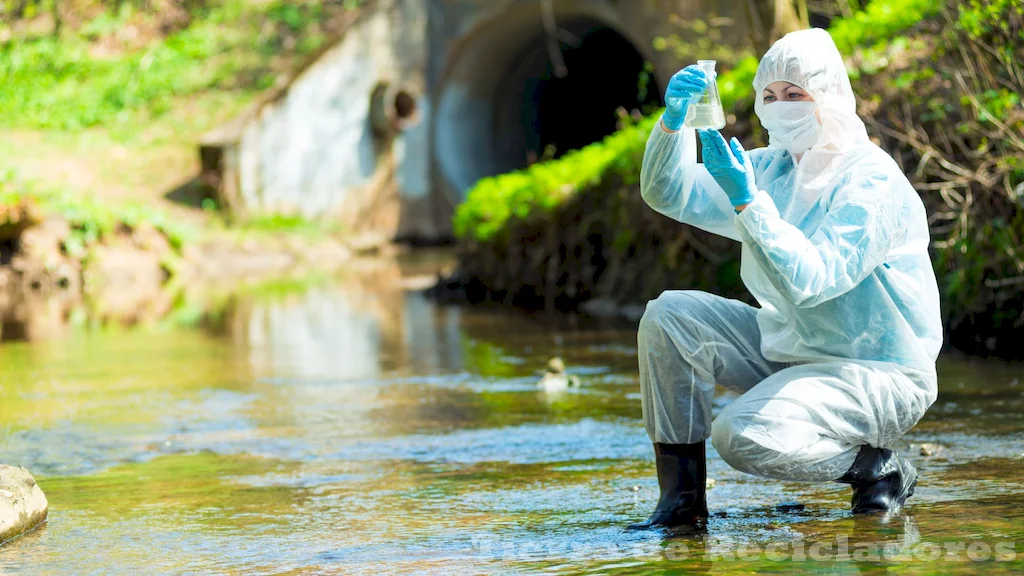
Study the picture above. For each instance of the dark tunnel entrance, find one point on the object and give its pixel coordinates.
(603, 72)
(511, 103)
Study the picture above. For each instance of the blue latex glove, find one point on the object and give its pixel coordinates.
(685, 85)
(729, 166)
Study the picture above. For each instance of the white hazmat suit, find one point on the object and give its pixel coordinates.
(841, 352)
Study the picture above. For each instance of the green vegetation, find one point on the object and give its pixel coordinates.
(979, 178)
(287, 224)
(118, 63)
(880, 22)
(492, 202)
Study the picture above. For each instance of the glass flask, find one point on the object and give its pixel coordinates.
(706, 111)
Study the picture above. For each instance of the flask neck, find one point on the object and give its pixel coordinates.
(708, 66)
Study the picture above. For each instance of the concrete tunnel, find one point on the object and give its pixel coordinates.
(505, 100)
(387, 128)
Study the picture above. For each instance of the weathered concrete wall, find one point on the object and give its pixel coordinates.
(314, 151)
(311, 148)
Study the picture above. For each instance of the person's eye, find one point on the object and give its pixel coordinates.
(795, 96)
(768, 98)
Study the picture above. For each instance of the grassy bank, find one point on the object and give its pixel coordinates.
(939, 87)
(114, 64)
(103, 103)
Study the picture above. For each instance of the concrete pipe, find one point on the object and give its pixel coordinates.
(393, 108)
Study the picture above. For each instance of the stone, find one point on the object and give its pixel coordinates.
(22, 503)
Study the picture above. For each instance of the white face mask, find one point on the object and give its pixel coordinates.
(792, 126)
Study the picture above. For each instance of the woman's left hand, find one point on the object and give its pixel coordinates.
(730, 167)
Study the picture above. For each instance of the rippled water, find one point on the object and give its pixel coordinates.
(353, 427)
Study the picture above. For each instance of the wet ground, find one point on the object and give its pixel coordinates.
(351, 426)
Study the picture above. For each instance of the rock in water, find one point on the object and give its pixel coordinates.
(22, 503)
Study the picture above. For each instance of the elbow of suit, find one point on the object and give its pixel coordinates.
(802, 297)
(806, 282)
(822, 287)
(654, 193)
(814, 294)
(649, 197)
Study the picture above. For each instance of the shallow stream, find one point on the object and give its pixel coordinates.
(352, 426)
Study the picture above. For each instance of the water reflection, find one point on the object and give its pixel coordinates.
(364, 327)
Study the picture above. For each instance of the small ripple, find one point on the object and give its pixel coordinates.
(525, 444)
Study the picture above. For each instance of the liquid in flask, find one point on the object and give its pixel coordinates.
(706, 111)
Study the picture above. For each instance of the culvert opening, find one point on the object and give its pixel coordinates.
(603, 73)
(405, 105)
(392, 109)
(506, 105)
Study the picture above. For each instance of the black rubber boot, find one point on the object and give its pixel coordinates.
(882, 480)
(682, 474)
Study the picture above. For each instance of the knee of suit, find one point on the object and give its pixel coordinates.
(737, 450)
(731, 438)
(668, 309)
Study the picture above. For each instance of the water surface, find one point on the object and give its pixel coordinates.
(351, 426)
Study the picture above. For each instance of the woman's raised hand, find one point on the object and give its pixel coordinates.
(729, 165)
(682, 88)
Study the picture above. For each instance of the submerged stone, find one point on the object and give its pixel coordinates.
(22, 503)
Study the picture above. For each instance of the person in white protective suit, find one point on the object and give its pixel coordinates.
(838, 362)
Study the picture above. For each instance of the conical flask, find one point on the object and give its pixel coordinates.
(706, 111)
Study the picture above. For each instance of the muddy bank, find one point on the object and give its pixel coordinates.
(52, 275)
